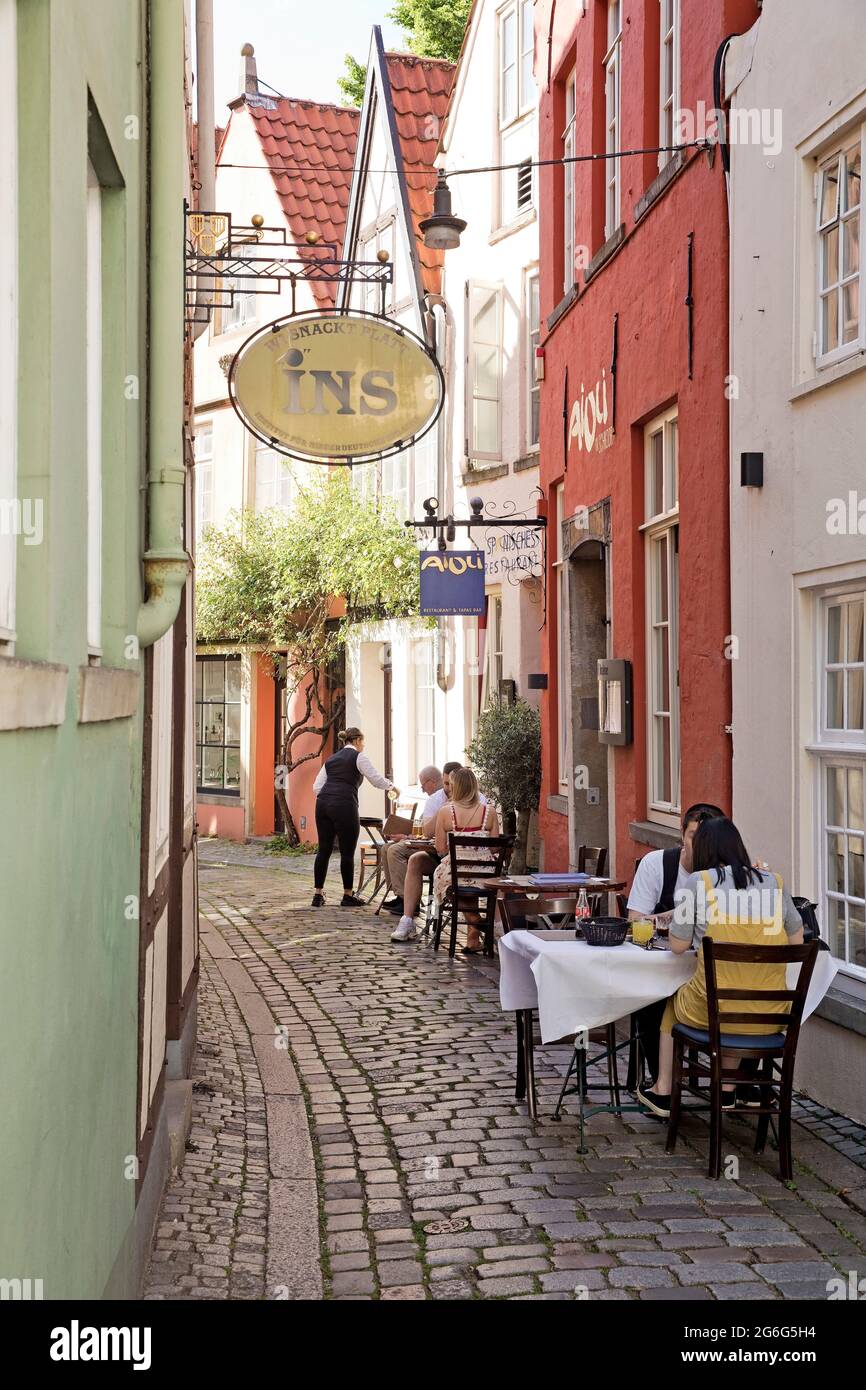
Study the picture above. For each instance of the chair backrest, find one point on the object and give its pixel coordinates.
(530, 913)
(592, 859)
(468, 866)
(397, 825)
(724, 1020)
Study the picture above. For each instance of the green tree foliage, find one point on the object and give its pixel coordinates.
(506, 753)
(433, 29)
(353, 82)
(274, 581)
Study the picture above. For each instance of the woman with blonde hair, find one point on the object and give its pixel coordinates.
(465, 814)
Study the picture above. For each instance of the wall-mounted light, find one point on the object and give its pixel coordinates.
(537, 680)
(539, 364)
(751, 470)
(442, 230)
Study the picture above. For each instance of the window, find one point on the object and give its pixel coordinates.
(424, 650)
(396, 482)
(842, 677)
(568, 152)
(203, 478)
(563, 664)
(841, 770)
(218, 723)
(484, 371)
(661, 539)
(517, 141)
(669, 77)
(93, 408)
(383, 237)
(493, 667)
(9, 500)
(844, 914)
(533, 387)
(611, 115)
(840, 287)
(274, 480)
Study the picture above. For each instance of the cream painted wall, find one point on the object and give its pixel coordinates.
(804, 62)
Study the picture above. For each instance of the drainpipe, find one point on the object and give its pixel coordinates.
(445, 646)
(204, 113)
(166, 563)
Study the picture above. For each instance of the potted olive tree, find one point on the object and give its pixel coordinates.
(506, 754)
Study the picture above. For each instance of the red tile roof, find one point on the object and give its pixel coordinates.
(300, 140)
(420, 88)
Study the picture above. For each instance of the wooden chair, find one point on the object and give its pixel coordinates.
(372, 855)
(394, 825)
(592, 859)
(467, 881)
(776, 1052)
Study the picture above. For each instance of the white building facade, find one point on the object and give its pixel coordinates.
(417, 694)
(798, 542)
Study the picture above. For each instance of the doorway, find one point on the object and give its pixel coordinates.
(588, 628)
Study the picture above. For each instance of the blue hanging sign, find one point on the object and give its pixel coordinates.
(452, 582)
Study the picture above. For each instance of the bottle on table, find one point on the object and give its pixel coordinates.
(582, 909)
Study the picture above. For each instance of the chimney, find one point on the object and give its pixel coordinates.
(249, 77)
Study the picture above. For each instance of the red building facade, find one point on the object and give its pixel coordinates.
(634, 419)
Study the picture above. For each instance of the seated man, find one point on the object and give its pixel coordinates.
(437, 788)
(657, 877)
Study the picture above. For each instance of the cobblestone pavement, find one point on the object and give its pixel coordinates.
(402, 1065)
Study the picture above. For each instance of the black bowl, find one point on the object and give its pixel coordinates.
(604, 931)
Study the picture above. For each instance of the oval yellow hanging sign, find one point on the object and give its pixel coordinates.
(336, 387)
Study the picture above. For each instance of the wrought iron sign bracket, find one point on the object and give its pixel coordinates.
(223, 258)
(484, 516)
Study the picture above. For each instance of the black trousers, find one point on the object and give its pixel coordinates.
(338, 821)
(648, 1021)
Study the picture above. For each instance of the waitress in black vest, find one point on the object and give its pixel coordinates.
(337, 815)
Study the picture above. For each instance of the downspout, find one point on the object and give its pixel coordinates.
(204, 112)
(166, 563)
(446, 635)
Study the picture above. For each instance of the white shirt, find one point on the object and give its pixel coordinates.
(433, 805)
(364, 766)
(649, 880)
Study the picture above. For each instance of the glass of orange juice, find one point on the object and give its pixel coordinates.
(642, 933)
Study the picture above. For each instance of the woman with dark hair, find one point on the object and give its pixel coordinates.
(337, 813)
(727, 897)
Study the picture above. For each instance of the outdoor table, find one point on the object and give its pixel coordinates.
(522, 886)
(577, 987)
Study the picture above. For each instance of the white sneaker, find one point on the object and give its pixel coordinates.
(406, 931)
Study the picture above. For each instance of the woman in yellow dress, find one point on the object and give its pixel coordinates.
(729, 899)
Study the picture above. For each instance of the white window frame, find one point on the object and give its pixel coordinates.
(531, 340)
(9, 500)
(380, 236)
(612, 91)
(93, 407)
(823, 231)
(669, 36)
(281, 481)
(832, 748)
(424, 662)
(203, 465)
(472, 395)
(515, 128)
(662, 528)
(494, 668)
(562, 645)
(831, 736)
(568, 177)
(827, 894)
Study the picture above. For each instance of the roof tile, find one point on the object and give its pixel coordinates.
(297, 139)
(420, 88)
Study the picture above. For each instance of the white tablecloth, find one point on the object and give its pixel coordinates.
(577, 986)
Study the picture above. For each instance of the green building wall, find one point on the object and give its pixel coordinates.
(70, 795)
